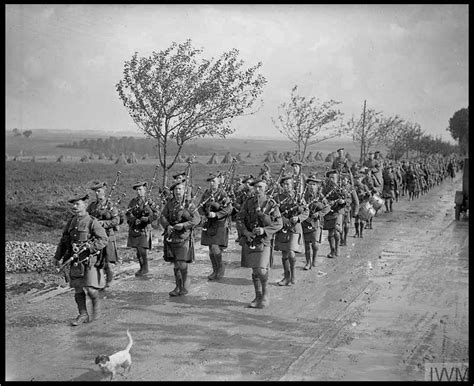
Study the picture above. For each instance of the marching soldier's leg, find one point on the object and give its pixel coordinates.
(178, 279)
(362, 224)
(80, 298)
(331, 243)
(263, 276)
(307, 254)
(345, 230)
(109, 274)
(356, 226)
(94, 295)
(391, 203)
(315, 246)
(219, 264)
(292, 259)
(286, 269)
(258, 288)
(183, 267)
(337, 236)
(145, 261)
(212, 276)
(139, 258)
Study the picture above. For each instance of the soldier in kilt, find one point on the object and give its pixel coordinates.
(290, 239)
(351, 209)
(312, 227)
(257, 221)
(108, 215)
(215, 208)
(363, 194)
(241, 195)
(389, 187)
(140, 215)
(333, 220)
(178, 218)
(82, 240)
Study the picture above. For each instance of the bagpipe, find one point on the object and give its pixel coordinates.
(80, 254)
(274, 185)
(228, 184)
(109, 204)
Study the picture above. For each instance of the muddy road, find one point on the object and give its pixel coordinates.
(390, 304)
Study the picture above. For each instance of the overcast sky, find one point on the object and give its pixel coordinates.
(63, 61)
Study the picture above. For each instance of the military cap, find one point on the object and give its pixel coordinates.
(377, 152)
(212, 176)
(81, 195)
(284, 178)
(179, 174)
(329, 172)
(340, 149)
(97, 185)
(296, 163)
(138, 184)
(257, 181)
(248, 178)
(313, 178)
(176, 184)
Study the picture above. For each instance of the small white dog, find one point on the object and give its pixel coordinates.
(110, 364)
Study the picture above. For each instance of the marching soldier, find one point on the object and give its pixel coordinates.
(351, 209)
(368, 180)
(140, 215)
(290, 239)
(178, 218)
(216, 209)
(257, 221)
(333, 220)
(82, 240)
(340, 163)
(107, 214)
(363, 194)
(389, 187)
(312, 227)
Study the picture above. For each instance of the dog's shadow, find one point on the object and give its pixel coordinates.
(98, 375)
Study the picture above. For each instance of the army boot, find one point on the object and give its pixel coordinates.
(213, 275)
(264, 300)
(184, 282)
(139, 258)
(145, 264)
(292, 270)
(109, 274)
(178, 279)
(83, 316)
(390, 206)
(361, 230)
(258, 291)
(220, 267)
(286, 270)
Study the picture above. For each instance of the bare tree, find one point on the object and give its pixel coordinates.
(174, 97)
(306, 122)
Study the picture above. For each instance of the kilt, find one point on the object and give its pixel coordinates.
(178, 251)
(93, 276)
(141, 238)
(388, 193)
(110, 251)
(288, 241)
(217, 233)
(255, 258)
(311, 237)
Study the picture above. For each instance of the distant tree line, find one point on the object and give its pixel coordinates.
(18, 133)
(114, 145)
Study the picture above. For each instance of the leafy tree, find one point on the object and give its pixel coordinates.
(373, 129)
(306, 122)
(459, 128)
(173, 96)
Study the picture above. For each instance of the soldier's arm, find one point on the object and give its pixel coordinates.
(164, 217)
(114, 219)
(63, 243)
(276, 223)
(99, 237)
(225, 210)
(194, 219)
(305, 213)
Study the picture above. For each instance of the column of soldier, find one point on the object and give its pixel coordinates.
(288, 213)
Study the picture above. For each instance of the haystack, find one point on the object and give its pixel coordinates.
(85, 158)
(101, 156)
(121, 160)
(238, 157)
(318, 156)
(213, 159)
(91, 156)
(60, 158)
(269, 158)
(145, 156)
(227, 159)
(132, 158)
(309, 157)
(249, 155)
(111, 157)
(330, 157)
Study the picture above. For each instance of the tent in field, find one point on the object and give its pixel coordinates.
(213, 159)
(330, 157)
(132, 158)
(60, 158)
(121, 160)
(85, 158)
(318, 156)
(227, 158)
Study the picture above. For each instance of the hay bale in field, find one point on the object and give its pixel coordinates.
(249, 155)
(318, 156)
(111, 157)
(60, 158)
(268, 158)
(101, 156)
(330, 157)
(227, 158)
(309, 157)
(145, 156)
(132, 158)
(238, 157)
(121, 160)
(213, 159)
(84, 158)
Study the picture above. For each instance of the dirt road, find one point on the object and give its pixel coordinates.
(390, 304)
